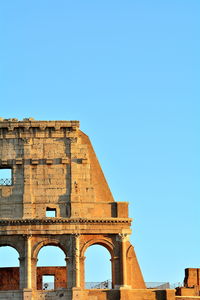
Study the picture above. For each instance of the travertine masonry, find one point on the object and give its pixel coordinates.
(54, 168)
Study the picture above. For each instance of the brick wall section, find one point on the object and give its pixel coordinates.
(60, 274)
(9, 277)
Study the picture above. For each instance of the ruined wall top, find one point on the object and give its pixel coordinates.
(31, 122)
(52, 167)
(11, 126)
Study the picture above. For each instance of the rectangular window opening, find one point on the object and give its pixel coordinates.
(48, 282)
(50, 212)
(5, 176)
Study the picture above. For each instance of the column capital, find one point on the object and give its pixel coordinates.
(114, 258)
(123, 237)
(76, 235)
(68, 258)
(27, 236)
(21, 258)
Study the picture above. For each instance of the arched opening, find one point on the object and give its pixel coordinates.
(9, 268)
(98, 268)
(51, 268)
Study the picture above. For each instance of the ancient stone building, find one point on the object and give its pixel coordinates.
(54, 168)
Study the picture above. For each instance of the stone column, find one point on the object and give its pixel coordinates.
(77, 259)
(114, 261)
(27, 195)
(29, 263)
(25, 265)
(69, 264)
(123, 237)
(73, 263)
(82, 271)
(22, 282)
(34, 273)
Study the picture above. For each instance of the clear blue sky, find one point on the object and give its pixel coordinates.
(129, 71)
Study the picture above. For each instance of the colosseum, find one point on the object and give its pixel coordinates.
(53, 168)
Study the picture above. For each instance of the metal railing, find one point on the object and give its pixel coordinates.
(5, 181)
(107, 284)
(176, 285)
(157, 285)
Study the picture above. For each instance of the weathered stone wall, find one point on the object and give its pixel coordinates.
(54, 167)
(93, 295)
(192, 277)
(192, 291)
(51, 295)
(11, 204)
(14, 295)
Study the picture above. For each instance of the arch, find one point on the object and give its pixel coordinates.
(47, 242)
(6, 245)
(10, 244)
(103, 278)
(130, 252)
(50, 273)
(102, 242)
(51, 255)
(9, 268)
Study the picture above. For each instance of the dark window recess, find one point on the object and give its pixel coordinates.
(48, 282)
(50, 212)
(5, 176)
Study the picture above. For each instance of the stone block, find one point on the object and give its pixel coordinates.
(65, 160)
(34, 161)
(18, 161)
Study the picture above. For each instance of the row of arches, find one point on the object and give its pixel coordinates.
(51, 259)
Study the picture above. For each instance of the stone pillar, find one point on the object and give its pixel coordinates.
(69, 263)
(26, 265)
(73, 263)
(22, 282)
(34, 272)
(27, 195)
(124, 267)
(82, 271)
(114, 261)
(29, 263)
(77, 259)
(123, 237)
(70, 260)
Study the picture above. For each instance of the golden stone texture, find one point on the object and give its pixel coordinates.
(54, 167)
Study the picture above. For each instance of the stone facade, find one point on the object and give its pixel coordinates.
(54, 168)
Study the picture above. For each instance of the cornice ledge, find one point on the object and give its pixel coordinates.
(63, 221)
